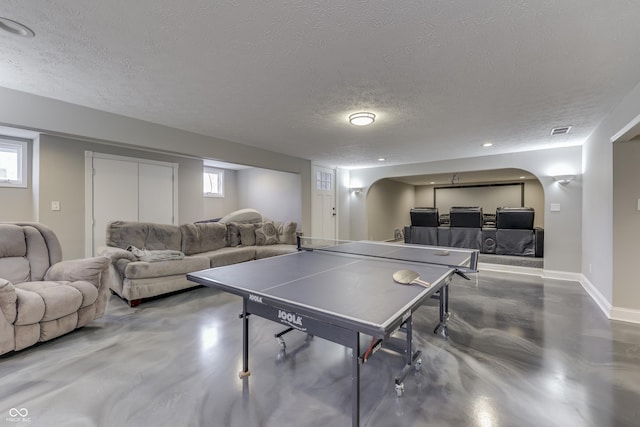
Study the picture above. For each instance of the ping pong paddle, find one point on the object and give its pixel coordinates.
(409, 277)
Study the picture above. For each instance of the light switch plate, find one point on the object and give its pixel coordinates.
(55, 206)
(555, 207)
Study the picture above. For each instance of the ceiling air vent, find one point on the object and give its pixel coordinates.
(560, 131)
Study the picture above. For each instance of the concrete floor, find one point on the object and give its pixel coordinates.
(522, 351)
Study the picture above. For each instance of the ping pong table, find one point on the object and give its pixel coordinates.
(342, 290)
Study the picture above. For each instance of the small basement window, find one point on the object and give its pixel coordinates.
(213, 182)
(13, 163)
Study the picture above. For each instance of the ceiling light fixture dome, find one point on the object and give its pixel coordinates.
(16, 28)
(362, 119)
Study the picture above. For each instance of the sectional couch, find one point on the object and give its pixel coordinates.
(183, 249)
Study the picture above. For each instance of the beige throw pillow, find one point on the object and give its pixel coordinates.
(267, 234)
(247, 234)
(233, 234)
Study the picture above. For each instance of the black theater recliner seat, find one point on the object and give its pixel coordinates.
(424, 227)
(466, 227)
(515, 233)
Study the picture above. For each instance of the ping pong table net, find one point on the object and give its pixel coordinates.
(463, 260)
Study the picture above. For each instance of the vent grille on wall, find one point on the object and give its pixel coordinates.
(560, 131)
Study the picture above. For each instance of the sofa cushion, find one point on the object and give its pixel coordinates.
(267, 234)
(242, 215)
(8, 300)
(142, 269)
(233, 234)
(247, 234)
(147, 235)
(59, 300)
(15, 269)
(287, 232)
(197, 238)
(228, 256)
(12, 241)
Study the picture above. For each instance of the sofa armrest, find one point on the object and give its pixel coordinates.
(7, 300)
(116, 254)
(87, 269)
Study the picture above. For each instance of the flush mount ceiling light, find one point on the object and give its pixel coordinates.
(487, 144)
(381, 159)
(362, 118)
(16, 28)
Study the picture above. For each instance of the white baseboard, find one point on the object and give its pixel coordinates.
(613, 313)
(561, 275)
(596, 296)
(625, 315)
(531, 271)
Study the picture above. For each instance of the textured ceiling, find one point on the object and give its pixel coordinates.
(443, 77)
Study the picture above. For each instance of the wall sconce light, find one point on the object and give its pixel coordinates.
(356, 190)
(563, 179)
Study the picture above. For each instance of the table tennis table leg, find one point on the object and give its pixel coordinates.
(443, 298)
(355, 381)
(245, 341)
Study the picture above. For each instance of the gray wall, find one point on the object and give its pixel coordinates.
(562, 229)
(610, 247)
(626, 217)
(62, 178)
(388, 205)
(16, 204)
(217, 207)
(274, 194)
(26, 111)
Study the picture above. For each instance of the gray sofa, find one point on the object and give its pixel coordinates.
(41, 296)
(194, 246)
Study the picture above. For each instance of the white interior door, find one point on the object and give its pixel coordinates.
(115, 195)
(127, 189)
(323, 203)
(155, 201)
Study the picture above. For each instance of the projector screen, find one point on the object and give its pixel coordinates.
(488, 197)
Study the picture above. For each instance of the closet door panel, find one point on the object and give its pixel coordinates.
(115, 194)
(156, 194)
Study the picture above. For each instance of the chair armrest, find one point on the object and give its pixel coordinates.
(87, 269)
(8, 300)
(116, 253)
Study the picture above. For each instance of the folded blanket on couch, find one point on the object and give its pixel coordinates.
(157, 255)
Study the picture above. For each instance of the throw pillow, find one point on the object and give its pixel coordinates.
(247, 234)
(233, 234)
(267, 234)
(287, 232)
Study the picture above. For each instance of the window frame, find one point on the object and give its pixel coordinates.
(220, 172)
(21, 148)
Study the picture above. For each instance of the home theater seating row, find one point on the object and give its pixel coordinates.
(509, 232)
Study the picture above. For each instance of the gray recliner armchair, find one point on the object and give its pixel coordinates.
(41, 296)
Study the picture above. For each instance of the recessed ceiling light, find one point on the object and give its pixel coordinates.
(522, 177)
(432, 182)
(362, 119)
(487, 144)
(16, 28)
(381, 159)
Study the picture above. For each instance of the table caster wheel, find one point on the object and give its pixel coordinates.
(417, 365)
(283, 345)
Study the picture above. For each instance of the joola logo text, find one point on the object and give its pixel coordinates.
(289, 318)
(255, 298)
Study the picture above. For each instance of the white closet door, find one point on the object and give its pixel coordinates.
(115, 195)
(155, 193)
